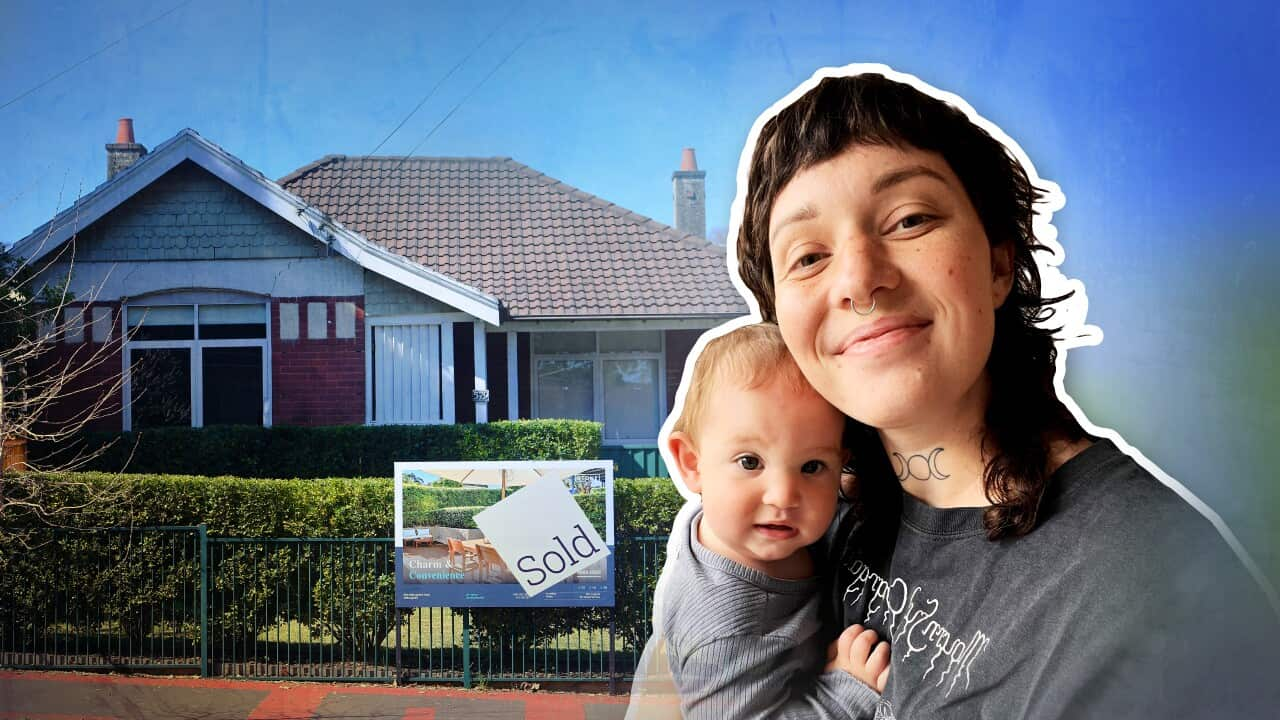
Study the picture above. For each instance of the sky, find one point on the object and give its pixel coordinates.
(1158, 125)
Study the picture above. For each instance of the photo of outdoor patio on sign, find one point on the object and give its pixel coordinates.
(444, 558)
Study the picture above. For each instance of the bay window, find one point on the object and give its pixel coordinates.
(194, 364)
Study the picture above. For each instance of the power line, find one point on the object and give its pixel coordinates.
(446, 76)
(441, 122)
(98, 52)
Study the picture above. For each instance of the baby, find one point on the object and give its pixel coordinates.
(737, 607)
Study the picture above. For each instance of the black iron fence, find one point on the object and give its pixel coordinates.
(172, 598)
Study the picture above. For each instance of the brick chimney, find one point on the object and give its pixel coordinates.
(124, 151)
(688, 190)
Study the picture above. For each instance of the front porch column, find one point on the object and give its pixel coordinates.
(513, 376)
(481, 393)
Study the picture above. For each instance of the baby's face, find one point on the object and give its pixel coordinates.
(769, 462)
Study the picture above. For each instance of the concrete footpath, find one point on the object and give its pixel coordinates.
(64, 696)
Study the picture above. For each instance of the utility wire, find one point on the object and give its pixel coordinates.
(439, 124)
(440, 82)
(98, 52)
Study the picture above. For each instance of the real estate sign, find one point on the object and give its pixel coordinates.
(504, 534)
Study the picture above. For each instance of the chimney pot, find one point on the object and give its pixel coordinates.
(688, 162)
(124, 131)
(125, 151)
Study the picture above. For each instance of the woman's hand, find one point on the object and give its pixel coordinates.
(858, 653)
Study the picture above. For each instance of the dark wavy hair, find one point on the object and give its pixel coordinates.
(1024, 413)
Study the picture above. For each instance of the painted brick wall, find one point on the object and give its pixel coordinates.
(496, 366)
(96, 366)
(314, 381)
(464, 372)
(189, 214)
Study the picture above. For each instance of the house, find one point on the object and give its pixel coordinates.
(381, 290)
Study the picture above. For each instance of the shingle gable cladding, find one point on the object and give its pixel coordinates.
(544, 248)
(188, 214)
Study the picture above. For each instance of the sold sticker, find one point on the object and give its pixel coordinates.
(542, 535)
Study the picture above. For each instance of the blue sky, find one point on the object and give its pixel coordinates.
(1159, 125)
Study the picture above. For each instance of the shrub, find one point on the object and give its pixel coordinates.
(454, 517)
(347, 450)
(255, 584)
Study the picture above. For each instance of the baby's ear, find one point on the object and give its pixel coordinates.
(686, 457)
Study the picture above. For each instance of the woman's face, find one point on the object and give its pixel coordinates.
(894, 227)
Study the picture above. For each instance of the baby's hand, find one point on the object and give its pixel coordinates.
(857, 653)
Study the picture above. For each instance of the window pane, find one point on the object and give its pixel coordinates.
(563, 343)
(631, 399)
(160, 386)
(634, 341)
(565, 389)
(161, 322)
(233, 321)
(232, 385)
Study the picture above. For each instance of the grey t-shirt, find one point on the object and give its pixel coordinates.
(1123, 602)
(741, 644)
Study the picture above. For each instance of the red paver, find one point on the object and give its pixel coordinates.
(63, 696)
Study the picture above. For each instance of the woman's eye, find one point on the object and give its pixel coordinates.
(807, 260)
(812, 467)
(912, 221)
(749, 462)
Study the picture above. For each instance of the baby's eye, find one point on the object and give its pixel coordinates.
(749, 462)
(813, 467)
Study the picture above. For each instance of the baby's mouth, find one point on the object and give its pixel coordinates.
(776, 531)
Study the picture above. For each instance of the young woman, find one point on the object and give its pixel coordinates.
(1018, 566)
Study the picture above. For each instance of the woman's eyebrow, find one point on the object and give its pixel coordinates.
(805, 212)
(888, 180)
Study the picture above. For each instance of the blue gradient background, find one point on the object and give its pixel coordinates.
(1158, 124)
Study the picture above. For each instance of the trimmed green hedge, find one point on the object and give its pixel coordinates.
(322, 507)
(347, 450)
(454, 517)
(328, 507)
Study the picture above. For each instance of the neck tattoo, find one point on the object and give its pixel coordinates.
(918, 467)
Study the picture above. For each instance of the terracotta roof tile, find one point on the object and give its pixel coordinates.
(544, 248)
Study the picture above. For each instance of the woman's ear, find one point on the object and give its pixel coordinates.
(686, 457)
(1001, 272)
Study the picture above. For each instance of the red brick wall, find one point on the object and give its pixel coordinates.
(96, 369)
(317, 382)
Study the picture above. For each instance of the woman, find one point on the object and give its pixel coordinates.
(1018, 566)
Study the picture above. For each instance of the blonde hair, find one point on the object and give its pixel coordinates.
(748, 357)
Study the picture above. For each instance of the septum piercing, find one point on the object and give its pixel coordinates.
(870, 310)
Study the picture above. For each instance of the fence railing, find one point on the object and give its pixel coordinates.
(172, 598)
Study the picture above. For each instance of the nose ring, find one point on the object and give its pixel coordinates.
(870, 310)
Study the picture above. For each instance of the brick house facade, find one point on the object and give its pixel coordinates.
(378, 290)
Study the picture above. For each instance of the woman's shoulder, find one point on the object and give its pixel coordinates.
(1102, 486)
(1125, 522)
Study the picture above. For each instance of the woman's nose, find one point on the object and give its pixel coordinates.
(861, 267)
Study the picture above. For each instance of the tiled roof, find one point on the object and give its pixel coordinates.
(544, 248)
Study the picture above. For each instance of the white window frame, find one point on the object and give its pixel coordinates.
(195, 346)
(597, 371)
(448, 400)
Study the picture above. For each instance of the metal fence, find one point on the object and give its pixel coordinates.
(172, 598)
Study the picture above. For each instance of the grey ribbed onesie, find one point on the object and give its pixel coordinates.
(741, 644)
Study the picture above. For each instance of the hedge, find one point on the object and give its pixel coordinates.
(314, 452)
(329, 507)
